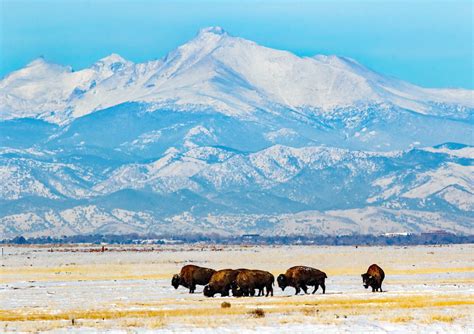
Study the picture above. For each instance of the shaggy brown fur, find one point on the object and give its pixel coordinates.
(248, 281)
(373, 278)
(192, 275)
(300, 277)
(221, 282)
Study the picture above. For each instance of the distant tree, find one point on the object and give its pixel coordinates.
(20, 240)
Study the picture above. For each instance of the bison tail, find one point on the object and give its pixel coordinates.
(325, 276)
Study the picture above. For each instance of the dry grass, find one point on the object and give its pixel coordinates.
(83, 272)
(149, 323)
(400, 271)
(151, 313)
(108, 314)
(139, 271)
(392, 302)
(401, 319)
(257, 313)
(215, 316)
(310, 311)
(205, 308)
(441, 318)
(166, 260)
(225, 305)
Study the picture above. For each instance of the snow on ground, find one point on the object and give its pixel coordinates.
(127, 289)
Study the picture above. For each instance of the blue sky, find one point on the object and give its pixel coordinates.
(429, 43)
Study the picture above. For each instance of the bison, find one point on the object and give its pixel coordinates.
(221, 282)
(300, 277)
(247, 281)
(373, 278)
(192, 275)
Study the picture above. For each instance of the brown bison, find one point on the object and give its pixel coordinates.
(247, 281)
(300, 277)
(192, 275)
(373, 278)
(221, 282)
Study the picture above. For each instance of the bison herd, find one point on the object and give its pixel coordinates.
(248, 282)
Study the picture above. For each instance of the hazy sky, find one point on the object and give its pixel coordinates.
(429, 43)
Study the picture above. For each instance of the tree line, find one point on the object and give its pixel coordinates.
(435, 238)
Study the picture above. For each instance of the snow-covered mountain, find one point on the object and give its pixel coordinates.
(216, 71)
(281, 189)
(224, 135)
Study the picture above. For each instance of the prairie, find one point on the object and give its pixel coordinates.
(79, 287)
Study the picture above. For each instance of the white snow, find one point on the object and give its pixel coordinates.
(210, 171)
(213, 71)
(462, 199)
(465, 152)
(129, 286)
(448, 175)
(281, 133)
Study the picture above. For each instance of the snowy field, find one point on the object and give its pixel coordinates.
(127, 289)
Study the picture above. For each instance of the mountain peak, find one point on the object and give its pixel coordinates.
(112, 58)
(204, 43)
(227, 74)
(40, 61)
(113, 62)
(215, 30)
(39, 67)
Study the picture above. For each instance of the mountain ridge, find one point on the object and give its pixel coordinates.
(225, 136)
(214, 70)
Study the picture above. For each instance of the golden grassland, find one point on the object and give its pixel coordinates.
(159, 262)
(240, 306)
(404, 307)
(219, 317)
(144, 271)
(82, 272)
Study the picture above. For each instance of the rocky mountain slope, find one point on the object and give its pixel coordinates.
(226, 136)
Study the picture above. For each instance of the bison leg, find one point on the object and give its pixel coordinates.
(252, 292)
(324, 288)
(305, 288)
(269, 290)
(225, 292)
(297, 288)
(316, 286)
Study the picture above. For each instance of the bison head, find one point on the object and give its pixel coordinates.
(208, 291)
(175, 281)
(367, 280)
(282, 281)
(236, 290)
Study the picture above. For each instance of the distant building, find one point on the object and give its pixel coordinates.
(436, 233)
(395, 234)
(249, 237)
